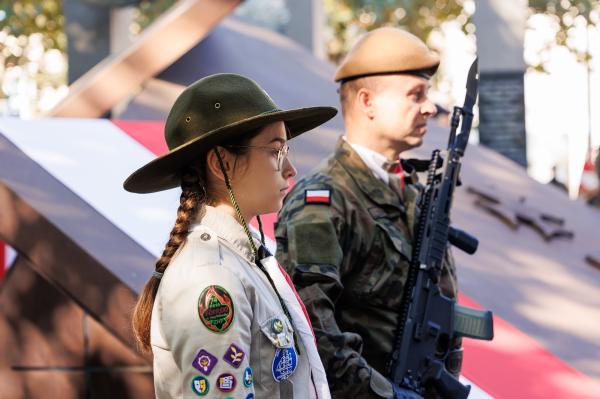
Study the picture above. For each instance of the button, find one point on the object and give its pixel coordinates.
(205, 237)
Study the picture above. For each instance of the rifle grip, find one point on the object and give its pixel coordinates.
(448, 387)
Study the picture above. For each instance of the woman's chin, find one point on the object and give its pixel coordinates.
(274, 208)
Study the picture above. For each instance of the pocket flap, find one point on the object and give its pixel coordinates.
(279, 331)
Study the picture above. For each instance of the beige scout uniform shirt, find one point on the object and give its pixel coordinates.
(218, 329)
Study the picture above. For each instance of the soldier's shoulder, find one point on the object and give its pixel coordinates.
(327, 175)
(321, 191)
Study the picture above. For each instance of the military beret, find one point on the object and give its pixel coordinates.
(387, 51)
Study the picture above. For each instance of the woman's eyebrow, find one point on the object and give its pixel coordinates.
(279, 139)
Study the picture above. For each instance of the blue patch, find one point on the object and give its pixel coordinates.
(250, 396)
(285, 362)
(248, 377)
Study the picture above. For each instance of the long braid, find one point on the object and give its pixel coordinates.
(253, 246)
(193, 195)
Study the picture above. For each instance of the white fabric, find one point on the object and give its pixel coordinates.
(373, 160)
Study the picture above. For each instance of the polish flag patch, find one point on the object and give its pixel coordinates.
(317, 197)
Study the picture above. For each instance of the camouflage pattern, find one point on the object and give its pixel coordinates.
(349, 261)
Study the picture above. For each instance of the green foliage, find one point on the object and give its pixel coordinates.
(147, 11)
(566, 15)
(22, 18)
(32, 55)
(350, 18)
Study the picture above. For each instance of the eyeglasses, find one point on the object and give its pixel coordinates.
(282, 152)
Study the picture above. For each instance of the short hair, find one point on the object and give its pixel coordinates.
(349, 88)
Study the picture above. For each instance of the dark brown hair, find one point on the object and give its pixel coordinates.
(193, 197)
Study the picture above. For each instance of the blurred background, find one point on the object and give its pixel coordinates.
(552, 46)
(85, 87)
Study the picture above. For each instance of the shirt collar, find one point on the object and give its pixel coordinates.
(227, 228)
(373, 159)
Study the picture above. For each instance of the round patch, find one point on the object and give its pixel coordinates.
(215, 308)
(250, 396)
(200, 386)
(226, 382)
(248, 377)
(284, 363)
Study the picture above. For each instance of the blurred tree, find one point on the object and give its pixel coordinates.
(566, 15)
(32, 61)
(347, 19)
(33, 43)
(147, 11)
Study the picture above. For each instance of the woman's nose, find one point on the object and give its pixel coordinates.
(288, 169)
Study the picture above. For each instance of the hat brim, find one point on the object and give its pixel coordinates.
(163, 173)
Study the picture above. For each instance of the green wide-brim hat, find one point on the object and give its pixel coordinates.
(213, 110)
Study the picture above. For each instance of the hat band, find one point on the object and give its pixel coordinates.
(426, 73)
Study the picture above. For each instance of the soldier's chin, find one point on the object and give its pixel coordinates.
(415, 141)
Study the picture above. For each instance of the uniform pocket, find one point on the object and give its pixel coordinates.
(276, 346)
(385, 271)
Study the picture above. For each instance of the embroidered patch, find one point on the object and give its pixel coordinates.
(250, 396)
(215, 308)
(234, 355)
(317, 197)
(200, 386)
(284, 363)
(204, 362)
(226, 382)
(248, 377)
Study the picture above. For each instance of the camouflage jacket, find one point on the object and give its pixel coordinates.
(349, 257)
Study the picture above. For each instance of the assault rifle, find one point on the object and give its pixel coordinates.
(429, 320)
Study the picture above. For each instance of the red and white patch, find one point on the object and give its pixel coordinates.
(317, 197)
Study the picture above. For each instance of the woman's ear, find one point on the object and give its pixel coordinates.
(213, 164)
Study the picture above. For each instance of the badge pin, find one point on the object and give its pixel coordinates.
(234, 355)
(277, 326)
(282, 340)
(200, 386)
(226, 382)
(204, 362)
(285, 362)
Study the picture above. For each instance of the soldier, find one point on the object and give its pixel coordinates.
(218, 313)
(344, 233)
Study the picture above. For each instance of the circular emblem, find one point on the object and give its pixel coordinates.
(284, 363)
(215, 308)
(277, 326)
(248, 377)
(250, 396)
(226, 382)
(200, 386)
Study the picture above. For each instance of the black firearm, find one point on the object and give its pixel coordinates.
(429, 320)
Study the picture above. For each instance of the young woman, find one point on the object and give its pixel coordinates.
(218, 313)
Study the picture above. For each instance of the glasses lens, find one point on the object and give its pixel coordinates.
(281, 156)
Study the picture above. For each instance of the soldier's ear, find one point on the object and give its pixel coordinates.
(364, 101)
